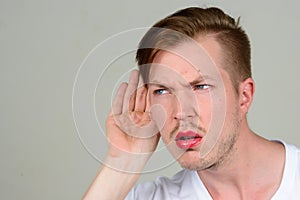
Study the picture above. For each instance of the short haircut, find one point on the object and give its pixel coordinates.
(195, 22)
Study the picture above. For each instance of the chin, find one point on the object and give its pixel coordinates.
(198, 166)
(191, 160)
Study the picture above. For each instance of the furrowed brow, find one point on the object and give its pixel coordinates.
(157, 84)
(199, 79)
(196, 81)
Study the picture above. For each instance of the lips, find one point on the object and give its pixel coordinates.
(188, 139)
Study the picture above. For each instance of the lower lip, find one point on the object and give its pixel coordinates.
(187, 144)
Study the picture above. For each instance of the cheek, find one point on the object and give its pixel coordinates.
(205, 109)
(223, 108)
(161, 104)
(161, 111)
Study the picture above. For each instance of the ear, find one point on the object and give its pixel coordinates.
(246, 93)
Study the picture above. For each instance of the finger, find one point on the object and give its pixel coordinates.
(147, 106)
(129, 98)
(140, 101)
(117, 104)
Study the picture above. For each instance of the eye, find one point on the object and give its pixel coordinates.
(160, 91)
(202, 87)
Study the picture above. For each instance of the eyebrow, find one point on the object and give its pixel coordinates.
(192, 83)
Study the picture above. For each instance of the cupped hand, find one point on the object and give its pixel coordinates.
(130, 129)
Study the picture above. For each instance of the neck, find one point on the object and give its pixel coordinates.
(253, 169)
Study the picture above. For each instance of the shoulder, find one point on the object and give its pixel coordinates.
(292, 153)
(292, 160)
(290, 183)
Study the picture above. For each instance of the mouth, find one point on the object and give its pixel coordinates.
(188, 139)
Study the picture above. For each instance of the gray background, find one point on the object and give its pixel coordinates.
(42, 46)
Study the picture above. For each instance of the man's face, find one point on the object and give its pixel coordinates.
(194, 104)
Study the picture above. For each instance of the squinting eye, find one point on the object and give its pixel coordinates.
(160, 91)
(202, 87)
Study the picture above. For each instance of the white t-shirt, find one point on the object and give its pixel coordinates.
(186, 184)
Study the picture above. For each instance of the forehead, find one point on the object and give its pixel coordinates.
(188, 60)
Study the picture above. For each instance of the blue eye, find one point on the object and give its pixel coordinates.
(202, 87)
(160, 91)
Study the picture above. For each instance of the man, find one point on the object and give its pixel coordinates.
(197, 90)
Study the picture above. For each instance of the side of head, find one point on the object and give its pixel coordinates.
(195, 22)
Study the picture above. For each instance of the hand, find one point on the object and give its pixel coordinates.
(132, 136)
(130, 129)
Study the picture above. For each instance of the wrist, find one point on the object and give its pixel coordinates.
(127, 162)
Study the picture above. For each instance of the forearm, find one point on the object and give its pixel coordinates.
(133, 137)
(110, 184)
(115, 179)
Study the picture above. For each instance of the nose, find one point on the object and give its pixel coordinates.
(186, 105)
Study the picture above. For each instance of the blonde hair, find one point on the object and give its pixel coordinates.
(193, 22)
